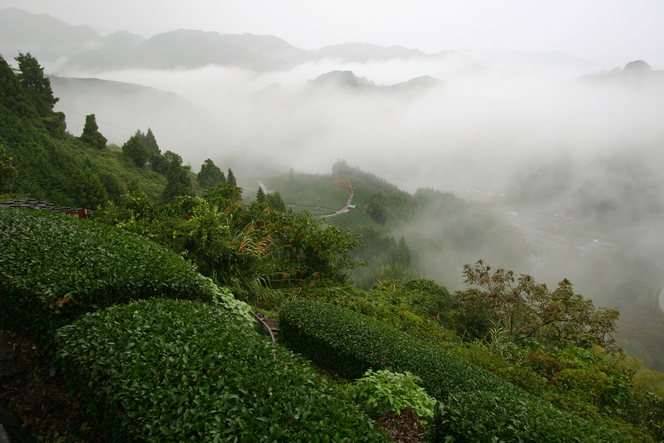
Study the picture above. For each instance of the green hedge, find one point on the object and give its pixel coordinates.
(490, 416)
(182, 371)
(352, 343)
(54, 268)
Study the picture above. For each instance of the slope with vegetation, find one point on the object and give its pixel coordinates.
(505, 358)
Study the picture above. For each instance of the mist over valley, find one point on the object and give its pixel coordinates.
(565, 155)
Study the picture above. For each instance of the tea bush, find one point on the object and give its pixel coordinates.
(55, 268)
(490, 416)
(184, 371)
(352, 343)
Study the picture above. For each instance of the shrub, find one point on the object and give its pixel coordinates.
(383, 391)
(184, 371)
(55, 268)
(352, 343)
(490, 416)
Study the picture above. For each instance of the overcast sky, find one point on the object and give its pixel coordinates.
(607, 32)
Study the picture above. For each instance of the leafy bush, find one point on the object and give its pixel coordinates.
(383, 391)
(490, 416)
(184, 371)
(352, 343)
(55, 268)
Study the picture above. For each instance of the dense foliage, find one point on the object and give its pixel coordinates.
(492, 416)
(246, 246)
(179, 371)
(7, 172)
(91, 135)
(55, 268)
(352, 343)
(525, 309)
(51, 164)
(386, 392)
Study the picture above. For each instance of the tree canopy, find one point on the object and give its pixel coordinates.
(524, 309)
(210, 175)
(91, 135)
(135, 150)
(179, 180)
(34, 82)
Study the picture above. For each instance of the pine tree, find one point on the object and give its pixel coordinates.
(135, 149)
(210, 175)
(151, 142)
(260, 195)
(230, 178)
(275, 202)
(12, 94)
(178, 178)
(91, 135)
(37, 86)
(89, 191)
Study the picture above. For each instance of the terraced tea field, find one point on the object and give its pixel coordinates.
(350, 220)
(362, 191)
(321, 195)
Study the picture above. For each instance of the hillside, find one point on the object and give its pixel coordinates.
(53, 164)
(122, 108)
(498, 344)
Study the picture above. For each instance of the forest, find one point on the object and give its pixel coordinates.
(156, 314)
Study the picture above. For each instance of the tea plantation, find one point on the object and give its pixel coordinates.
(352, 343)
(191, 369)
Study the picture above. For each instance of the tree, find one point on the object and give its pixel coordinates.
(525, 309)
(275, 202)
(7, 172)
(91, 135)
(136, 151)
(230, 178)
(37, 86)
(89, 191)
(260, 195)
(210, 175)
(151, 142)
(178, 178)
(12, 94)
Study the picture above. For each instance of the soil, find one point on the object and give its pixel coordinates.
(37, 399)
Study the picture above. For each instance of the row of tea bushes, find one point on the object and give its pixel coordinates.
(182, 371)
(352, 343)
(55, 268)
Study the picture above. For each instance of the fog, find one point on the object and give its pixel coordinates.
(477, 130)
(568, 156)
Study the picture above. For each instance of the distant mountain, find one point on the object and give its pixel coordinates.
(348, 80)
(268, 46)
(44, 36)
(113, 53)
(122, 108)
(637, 72)
(81, 47)
(531, 59)
(183, 48)
(365, 52)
